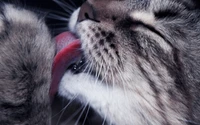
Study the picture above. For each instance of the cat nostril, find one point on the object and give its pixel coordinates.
(86, 12)
(87, 16)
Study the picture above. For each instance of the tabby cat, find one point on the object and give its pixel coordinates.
(139, 61)
(136, 63)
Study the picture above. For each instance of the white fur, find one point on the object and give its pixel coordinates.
(1, 24)
(147, 18)
(111, 103)
(73, 20)
(117, 105)
(19, 15)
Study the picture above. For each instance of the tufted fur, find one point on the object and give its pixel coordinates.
(26, 55)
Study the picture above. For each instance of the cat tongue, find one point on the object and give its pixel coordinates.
(68, 52)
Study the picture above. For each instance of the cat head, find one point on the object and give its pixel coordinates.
(122, 36)
(136, 46)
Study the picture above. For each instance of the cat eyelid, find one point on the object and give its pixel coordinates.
(138, 23)
(165, 14)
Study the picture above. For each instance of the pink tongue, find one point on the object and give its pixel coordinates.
(68, 51)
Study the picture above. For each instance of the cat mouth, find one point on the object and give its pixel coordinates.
(69, 57)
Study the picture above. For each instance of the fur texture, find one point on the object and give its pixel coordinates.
(26, 56)
(142, 61)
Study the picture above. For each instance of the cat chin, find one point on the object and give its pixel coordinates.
(108, 102)
(113, 103)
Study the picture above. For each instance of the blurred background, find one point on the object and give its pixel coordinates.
(56, 12)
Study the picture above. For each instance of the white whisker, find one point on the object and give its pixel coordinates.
(73, 4)
(65, 6)
(74, 115)
(112, 75)
(73, 98)
(86, 115)
(77, 121)
(113, 82)
(90, 68)
(98, 74)
(124, 82)
(57, 17)
(104, 119)
(63, 110)
(59, 30)
(48, 11)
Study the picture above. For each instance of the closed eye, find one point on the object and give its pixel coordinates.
(165, 14)
(135, 23)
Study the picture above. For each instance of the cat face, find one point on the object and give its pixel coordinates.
(120, 35)
(135, 59)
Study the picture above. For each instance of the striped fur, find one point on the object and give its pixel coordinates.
(142, 62)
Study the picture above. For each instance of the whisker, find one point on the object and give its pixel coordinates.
(86, 115)
(57, 17)
(90, 68)
(73, 4)
(98, 73)
(112, 82)
(123, 80)
(76, 123)
(74, 114)
(65, 106)
(104, 119)
(63, 110)
(67, 7)
(64, 14)
(86, 67)
(112, 74)
(59, 30)
(48, 11)
(58, 24)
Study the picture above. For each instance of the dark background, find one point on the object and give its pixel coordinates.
(48, 4)
(47, 8)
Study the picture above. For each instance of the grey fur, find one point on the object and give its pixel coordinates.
(164, 54)
(26, 56)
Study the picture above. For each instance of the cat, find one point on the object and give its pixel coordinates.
(26, 56)
(27, 52)
(139, 61)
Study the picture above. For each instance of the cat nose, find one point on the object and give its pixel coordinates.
(86, 12)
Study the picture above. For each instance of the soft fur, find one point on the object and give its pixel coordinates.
(26, 56)
(142, 62)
